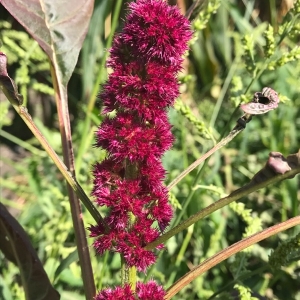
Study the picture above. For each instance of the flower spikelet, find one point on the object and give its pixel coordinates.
(144, 291)
(150, 291)
(145, 58)
(119, 293)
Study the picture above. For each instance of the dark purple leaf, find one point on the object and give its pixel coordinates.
(16, 246)
(59, 26)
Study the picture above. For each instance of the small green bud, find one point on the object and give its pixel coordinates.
(270, 41)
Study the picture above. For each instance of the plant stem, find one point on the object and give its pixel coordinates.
(196, 163)
(61, 98)
(226, 253)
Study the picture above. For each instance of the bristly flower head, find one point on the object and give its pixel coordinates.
(145, 57)
(145, 291)
(150, 291)
(119, 293)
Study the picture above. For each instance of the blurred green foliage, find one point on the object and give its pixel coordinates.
(233, 55)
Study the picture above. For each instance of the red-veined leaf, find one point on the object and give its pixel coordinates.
(59, 26)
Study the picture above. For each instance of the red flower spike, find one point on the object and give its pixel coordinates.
(150, 291)
(144, 291)
(145, 59)
(157, 32)
(119, 293)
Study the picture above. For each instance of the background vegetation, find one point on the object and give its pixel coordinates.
(225, 62)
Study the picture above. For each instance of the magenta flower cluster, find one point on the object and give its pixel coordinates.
(145, 58)
(144, 291)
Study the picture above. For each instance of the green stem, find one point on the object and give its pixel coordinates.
(130, 272)
(124, 273)
(132, 278)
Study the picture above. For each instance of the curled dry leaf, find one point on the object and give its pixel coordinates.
(276, 164)
(7, 84)
(262, 102)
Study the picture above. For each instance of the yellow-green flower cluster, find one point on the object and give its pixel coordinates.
(291, 24)
(236, 90)
(253, 223)
(296, 8)
(295, 31)
(270, 41)
(204, 16)
(200, 126)
(285, 252)
(287, 57)
(245, 292)
(201, 21)
(248, 45)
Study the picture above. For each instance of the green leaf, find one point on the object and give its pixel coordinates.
(72, 257)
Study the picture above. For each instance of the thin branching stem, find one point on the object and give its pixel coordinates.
(228, 252)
